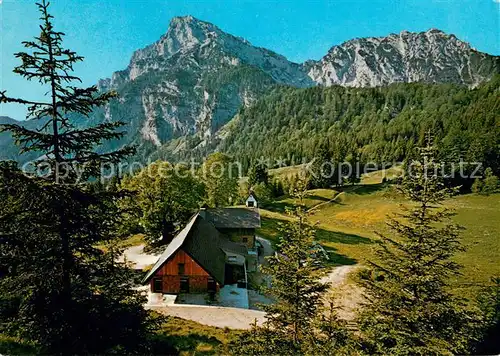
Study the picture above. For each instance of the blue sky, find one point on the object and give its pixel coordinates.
(106, 32)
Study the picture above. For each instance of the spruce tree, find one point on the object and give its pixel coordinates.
(489, 304)
(67, 152)
(295, 272)
(490, 182)
(60, 289)
(353, 174)
(322, 169)
(410, 310)
(258, 173)
(296, 323)
(330, 336)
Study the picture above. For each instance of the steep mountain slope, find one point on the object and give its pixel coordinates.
(431, 56)
(193, 80)
(8, 149)
(369, 124)
(177, 94)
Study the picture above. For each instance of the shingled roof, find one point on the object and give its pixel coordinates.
(201, 240)
(234, 218)
(205, 246)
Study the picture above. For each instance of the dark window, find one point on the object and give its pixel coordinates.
(244, 239)
(184, 285)
(180, 267)
(250, 204)
(212, 286)
(157, 285)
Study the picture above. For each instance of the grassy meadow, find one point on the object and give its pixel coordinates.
(348, 219)
(188, 337)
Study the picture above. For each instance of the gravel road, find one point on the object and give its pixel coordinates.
(233, 318)
(138, 257)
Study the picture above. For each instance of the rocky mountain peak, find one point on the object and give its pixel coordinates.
(195, 78)
(185, 32)
(430, 56)
(188, 37)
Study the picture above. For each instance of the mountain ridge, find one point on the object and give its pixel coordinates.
(184, 34)
(431, 56)
(189, 39)
(195, 78)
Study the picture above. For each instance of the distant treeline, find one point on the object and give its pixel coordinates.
(369, 124)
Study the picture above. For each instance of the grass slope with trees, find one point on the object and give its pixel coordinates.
(348, 218)
(61, 292)
(369, 124)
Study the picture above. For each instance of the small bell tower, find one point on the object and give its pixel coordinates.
(251, 201)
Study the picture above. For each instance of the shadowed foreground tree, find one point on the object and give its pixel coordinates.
(164, 197)
(57, 289)
(102, 313)
(489, 303)
(410, 309)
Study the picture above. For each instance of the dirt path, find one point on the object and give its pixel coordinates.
(233, 318)
(138, 257)
(312, 208)
(348, 295)
(338, 275)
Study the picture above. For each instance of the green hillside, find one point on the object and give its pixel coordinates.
(371, 124)
(349, 217)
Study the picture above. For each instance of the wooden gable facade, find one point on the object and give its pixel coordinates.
(209, 252)
(182, 274)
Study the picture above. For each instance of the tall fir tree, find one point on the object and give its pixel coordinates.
(490, 183)
(322, 169)
(258, 173)
(331, 335)
(220, 175)
(60, 289)
(410, 309)
(295, 280)
(296, 323)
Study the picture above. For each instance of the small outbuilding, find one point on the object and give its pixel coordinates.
(251, 201)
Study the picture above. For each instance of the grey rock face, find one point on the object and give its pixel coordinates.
(431, 56)
(194, 79)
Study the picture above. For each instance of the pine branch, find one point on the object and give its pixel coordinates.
(87, 138)
(5, 99)
(29, 140)
(83, 100)
(109, 157)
